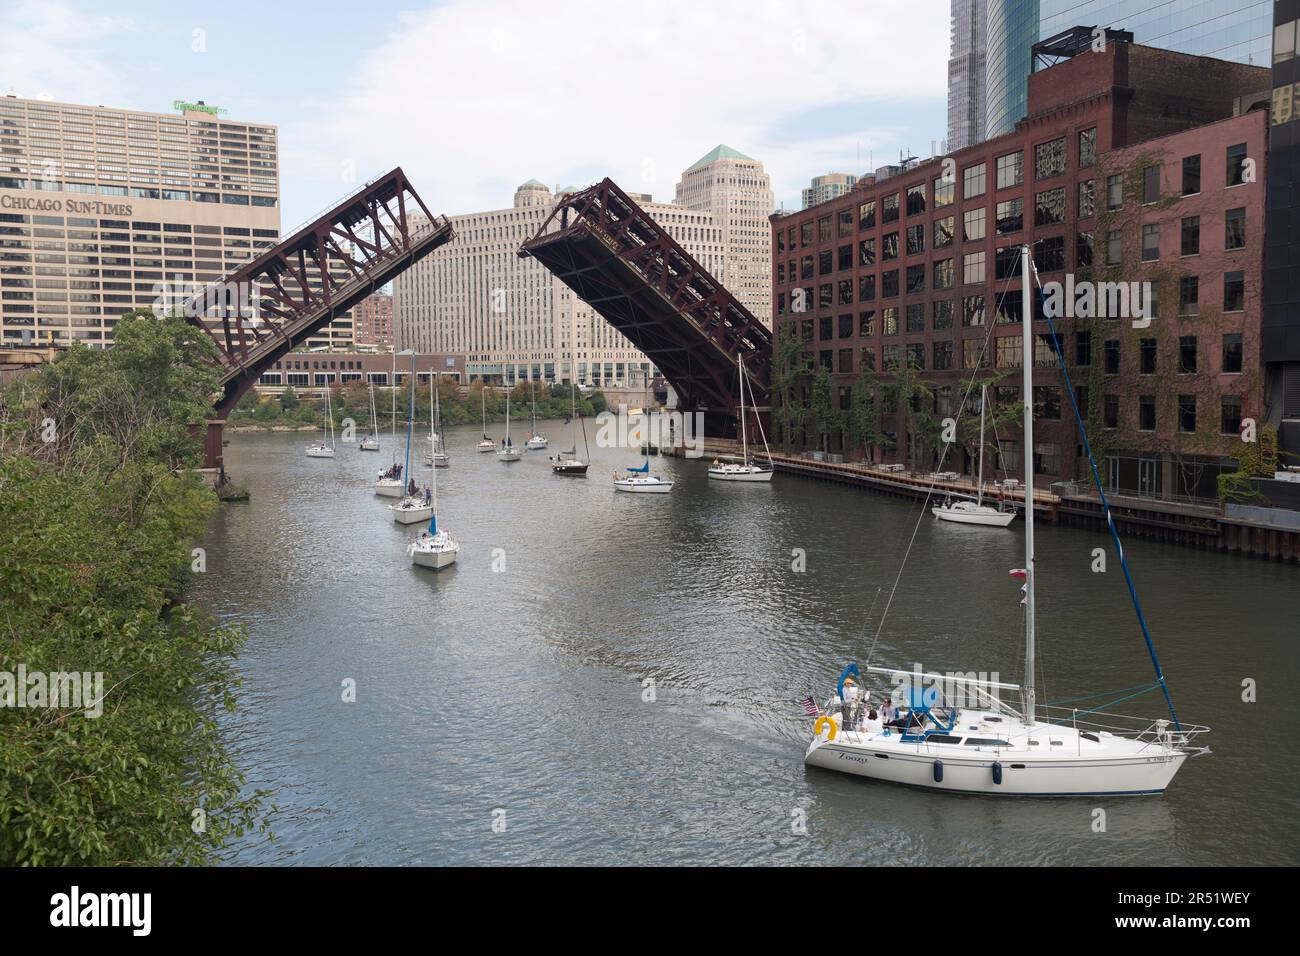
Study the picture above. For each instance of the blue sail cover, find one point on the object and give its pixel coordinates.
(643, 469)
(433, 524)
(850, 671)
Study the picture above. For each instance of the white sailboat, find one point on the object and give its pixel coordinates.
(746, 469)
(434, 547)
(568, 462)
(640, 481)
(392, 482)
(437, 453)
(371, 441)
(487, 444)
(975, 512)
(320, 449)
(507, 452)
(979, 744)
(414, 507)
(535, 441)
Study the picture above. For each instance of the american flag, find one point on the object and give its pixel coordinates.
(810, 706)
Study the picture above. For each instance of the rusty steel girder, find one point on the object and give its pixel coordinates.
(373, 234)
(627, 267)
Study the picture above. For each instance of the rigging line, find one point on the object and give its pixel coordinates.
(1105, 504)
(1104, 693)
(988, 337)
(1102, 709)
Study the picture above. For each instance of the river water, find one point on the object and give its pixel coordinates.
(501, 711)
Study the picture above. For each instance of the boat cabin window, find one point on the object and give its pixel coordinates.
(942, 739)
(1087, 736)
(993, 720)
(985, 742)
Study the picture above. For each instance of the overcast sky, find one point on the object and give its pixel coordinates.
(473, 97)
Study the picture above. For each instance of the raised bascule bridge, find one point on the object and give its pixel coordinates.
(375, 233)
(618, 260)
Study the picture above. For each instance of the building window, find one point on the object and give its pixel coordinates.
(1187, 413)
(1146, 413)
(942, 315)
(1232, 353)
(846, 326)
(889, 283)
(891, 358)
(889, 320)
(943, 229)
(1087, 148)
(1234, 291)
(1230, 414)
(915, 237)
(972, 224)
(973, 181)
(1150, 242)
(806, 267)
(1006, 262)
(1010, 216)
(1189, 295)
(970, 352)
(915, 279)
(916, 355)
(889, 208)
(889, 246)
(916, 199)
(869, 359)
(1147, 356)
(825, 295)
(1049, 158)
(1190, 243)
(867, 323)
(1047, 458)
(943, 274)
(1008, 351)
(1087, 199)
(915, 317)
(866, 288)
(1083, 250)
(1114, 247)
(1284, 36)
(867, 215)
(825, 263)
(942, 356)
(845, 220)
(1114, 191)
(825, 328)
(1011, 170)
(1049, 254)
(944, 191)
(1047, 402)
(867, 252)
(1110, 357)
(1151, 184)
(1110, 411)
(972, 311)
(1237, 164)
(1049, 207)
(845, 257)
(972, 268)
(1191, 175)
(845, 290)
(1187, 354)
(1234, 228)
(824, 229)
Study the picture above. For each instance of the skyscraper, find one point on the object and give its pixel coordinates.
(827, 187)
(966, 74)
(736, 190)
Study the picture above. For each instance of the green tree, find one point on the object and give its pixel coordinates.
(789, 366)
(827, 418)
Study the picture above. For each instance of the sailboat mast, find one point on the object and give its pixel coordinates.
(979, 492)
(1027, 450)
(433, 465)
(744, 439)
(410, 421)
(392, 391)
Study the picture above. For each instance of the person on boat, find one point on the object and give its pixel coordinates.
(428, 495)
(411, 488)
(872, 724)
(887, 711)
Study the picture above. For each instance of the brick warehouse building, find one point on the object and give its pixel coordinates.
(1133, 164)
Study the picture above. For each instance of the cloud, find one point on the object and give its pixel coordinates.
(475, 96)
(50, 50)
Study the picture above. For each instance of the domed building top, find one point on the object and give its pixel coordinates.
(532, 193)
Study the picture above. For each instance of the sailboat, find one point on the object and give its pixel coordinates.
(507, 451)
(957, 735)
(640, 481)
(414, 506)
(392, 482)
(487, 444)
(568, 462)
(437, 454)
(434, 547)
(975, 512)
(320, 449)
(535, 441)
(371, 441)
(746, 469)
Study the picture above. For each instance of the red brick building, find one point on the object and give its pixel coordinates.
(373, 318)
(1133, 164)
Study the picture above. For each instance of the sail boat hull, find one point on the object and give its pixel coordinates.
(974, 514)
(740, 473)
(576, 468)
(318, 452)
(1069, 770)
(369, 444)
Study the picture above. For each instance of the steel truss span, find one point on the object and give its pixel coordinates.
(370, 236)
(622, 263)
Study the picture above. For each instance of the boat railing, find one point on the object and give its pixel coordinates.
(1158, 733)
